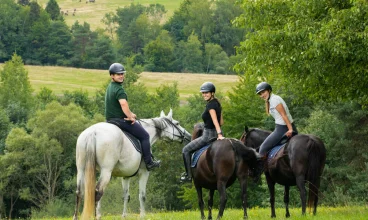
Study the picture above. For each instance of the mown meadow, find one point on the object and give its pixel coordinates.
(324, 213)
(60, 79)
(92, 13)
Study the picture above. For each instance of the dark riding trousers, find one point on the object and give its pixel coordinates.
(274, 138)
(197, 143)
(137, 131)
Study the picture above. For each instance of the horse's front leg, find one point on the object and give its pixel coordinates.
(301, 186)
(221, 187)
(210, 203)
(200, 201)
(286, 200)
(243, 185)
(271, 188)
(143, 179)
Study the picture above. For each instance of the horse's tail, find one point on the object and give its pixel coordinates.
(315, 167)
(90, 177)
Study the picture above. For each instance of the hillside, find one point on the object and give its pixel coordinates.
(92, 13)
(60, 79)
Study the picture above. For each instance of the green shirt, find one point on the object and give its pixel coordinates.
(114, 93)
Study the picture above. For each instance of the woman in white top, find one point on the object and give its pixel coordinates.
(278, 109)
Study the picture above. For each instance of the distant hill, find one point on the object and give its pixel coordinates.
(60, 79)
(92, 13)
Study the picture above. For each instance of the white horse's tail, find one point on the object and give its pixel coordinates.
(90, 177)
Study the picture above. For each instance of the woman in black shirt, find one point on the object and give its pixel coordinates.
(212, 118)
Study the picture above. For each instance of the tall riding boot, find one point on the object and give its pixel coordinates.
(187, 176)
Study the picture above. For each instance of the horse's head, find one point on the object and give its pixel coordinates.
(254, 137)
(197, 130)
(171, 128)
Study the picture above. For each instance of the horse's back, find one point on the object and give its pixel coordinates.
(113, 149)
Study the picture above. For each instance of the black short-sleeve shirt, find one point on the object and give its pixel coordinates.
(213, 104)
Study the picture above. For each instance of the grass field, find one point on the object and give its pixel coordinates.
(92, 13)
(60, 79)
(323, 213)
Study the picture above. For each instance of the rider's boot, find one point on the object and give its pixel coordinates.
(187, 176)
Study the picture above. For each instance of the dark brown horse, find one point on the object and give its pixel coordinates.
(218, 167)
(301, 160)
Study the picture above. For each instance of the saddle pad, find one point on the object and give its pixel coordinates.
(136, 143)
(272, 153)
(197, 154)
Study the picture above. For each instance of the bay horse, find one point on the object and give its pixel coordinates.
(218, 167)
(105, 147)
(301, 160)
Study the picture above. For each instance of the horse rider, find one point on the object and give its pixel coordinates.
(212, 118)
(278, 109)
(117, 110)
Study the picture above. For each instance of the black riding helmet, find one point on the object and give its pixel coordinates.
(116, 68)
(208, 87)
(263, 86)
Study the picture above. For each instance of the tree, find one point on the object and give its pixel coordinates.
(188, 55)
(215, 59)
(159, 53)
(53, 9)
(10, 26)
(15, 90)
(319, 46)
(59, 44)
(82, 37)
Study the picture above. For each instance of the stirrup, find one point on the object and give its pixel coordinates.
(185, 178)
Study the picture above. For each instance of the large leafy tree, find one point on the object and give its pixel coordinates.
(189, 56)
(53, 9)
(159, 53)
(15, 90)
(10, 24)
(319, 46)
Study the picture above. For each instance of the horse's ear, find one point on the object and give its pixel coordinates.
(162, 114)
(246, 129)
(169, 115)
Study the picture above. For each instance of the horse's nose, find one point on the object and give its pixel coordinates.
(187, 136)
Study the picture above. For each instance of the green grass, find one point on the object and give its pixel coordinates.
(92, 13)
(323, 213)
(60, 79)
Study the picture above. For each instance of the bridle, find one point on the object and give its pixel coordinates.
(167, 122)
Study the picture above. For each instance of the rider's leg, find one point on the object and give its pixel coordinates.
(194, 145)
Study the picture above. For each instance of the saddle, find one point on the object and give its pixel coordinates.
(280, 145)
(197, 154)
(136, 143)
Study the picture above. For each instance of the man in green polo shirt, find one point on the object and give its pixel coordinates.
(117, 110)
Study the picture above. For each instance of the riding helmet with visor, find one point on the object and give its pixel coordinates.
(116, 68)
(208, 87)
(263, 86)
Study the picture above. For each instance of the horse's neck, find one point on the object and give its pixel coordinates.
(150, 127)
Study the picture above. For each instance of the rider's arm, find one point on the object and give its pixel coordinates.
(125, 107)
(280, 108)
(216, 123)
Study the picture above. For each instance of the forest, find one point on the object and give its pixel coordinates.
(313, 53)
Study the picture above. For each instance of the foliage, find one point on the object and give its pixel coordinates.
(53, 9)
(314, 44)
(15, 90)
